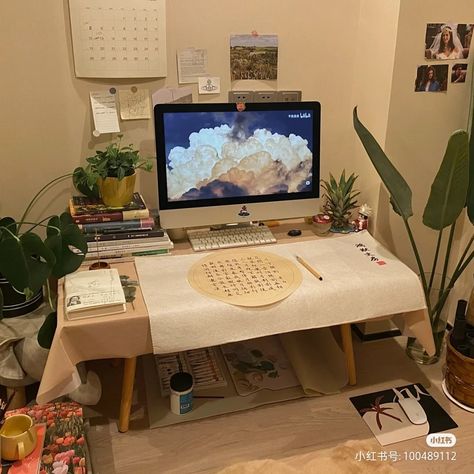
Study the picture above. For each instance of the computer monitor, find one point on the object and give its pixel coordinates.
(235, 163)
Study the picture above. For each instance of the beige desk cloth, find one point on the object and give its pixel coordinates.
(361, 280)
(129, 334)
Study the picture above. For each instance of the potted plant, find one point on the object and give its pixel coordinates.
(28, 260)
(340, 201)
(451, 191)
(111, 174)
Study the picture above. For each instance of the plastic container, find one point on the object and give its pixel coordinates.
(181, 393)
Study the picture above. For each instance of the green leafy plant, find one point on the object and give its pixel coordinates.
(451, 191)
(340, 198)
(27, 260)
(116, 161)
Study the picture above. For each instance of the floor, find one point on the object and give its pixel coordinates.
(275, 431)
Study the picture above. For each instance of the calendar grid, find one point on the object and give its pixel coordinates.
(113, 39)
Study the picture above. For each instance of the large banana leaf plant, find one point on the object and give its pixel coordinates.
(28, 260)
(451, 191)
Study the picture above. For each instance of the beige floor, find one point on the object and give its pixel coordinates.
(277, 431)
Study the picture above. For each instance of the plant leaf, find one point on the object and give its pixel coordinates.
(400, 192)
(470, 192)
(62, 235)
(449, 189)
(25, 262)
(47, 330)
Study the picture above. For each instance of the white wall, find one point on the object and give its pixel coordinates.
(342, 53)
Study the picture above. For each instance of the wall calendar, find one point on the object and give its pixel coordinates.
(118, 38)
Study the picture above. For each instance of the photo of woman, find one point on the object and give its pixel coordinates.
(447, 41)
(431, 78)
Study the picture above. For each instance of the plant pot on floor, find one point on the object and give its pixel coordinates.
(117, 192)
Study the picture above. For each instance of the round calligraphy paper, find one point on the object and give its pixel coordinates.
(245, 277)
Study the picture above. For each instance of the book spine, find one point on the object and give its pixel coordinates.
(96, 218)
(111, 216)
(93, 247)
(128, 253)
(135, 214)
(113, 227)
(125, 235)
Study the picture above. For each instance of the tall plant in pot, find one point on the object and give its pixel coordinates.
(32, 252)
(451, 191)
(111, 173)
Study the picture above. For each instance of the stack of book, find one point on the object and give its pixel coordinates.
(125, 231)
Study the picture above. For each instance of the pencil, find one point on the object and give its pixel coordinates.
(309, 268)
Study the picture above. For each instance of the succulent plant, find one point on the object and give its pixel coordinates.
(340, 198)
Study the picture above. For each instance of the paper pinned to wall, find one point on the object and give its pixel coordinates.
(104, 111)
(167, 95)
(119, 38)
(192, 64)
(134, 104)
(209, 85)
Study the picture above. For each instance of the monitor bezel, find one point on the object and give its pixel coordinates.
(161, 109)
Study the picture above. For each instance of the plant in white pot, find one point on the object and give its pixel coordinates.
(452, 190)
(111, 173)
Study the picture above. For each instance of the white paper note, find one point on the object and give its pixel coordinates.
(209, 85)
(134, 104)
(192, 64)
(167, 95)
(104, 111)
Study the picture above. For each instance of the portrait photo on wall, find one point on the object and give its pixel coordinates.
(432, 78)
(458, 73)
(448, 40)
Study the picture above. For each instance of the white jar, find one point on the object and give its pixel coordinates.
(181, 393)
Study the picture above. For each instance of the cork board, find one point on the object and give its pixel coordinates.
(245, 277)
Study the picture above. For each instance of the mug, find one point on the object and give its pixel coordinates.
(17, 437)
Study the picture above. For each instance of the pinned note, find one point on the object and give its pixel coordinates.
(104, 111)
(192, 64)
(134, 104)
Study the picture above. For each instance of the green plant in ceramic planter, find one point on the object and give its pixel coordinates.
(28, 260)
(116, 161)
(451, 191)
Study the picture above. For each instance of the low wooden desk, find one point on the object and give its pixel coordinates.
(128, 336)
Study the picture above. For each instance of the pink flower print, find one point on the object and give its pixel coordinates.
(60, 467)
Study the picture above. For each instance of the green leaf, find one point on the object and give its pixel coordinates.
(25, 262)
(84, 183)
(449, 189)
(400, 192)
(47, 330)
(62, 234)
(470, 192)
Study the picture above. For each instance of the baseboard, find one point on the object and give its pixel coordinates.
(375, 336)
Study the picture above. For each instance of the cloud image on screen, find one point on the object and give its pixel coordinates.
(230, 156)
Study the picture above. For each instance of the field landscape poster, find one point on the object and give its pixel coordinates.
(254, 57)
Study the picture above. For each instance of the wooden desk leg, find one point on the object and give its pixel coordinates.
(127, 393)
(346, 335)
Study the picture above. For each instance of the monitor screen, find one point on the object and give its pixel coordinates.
(219, 165)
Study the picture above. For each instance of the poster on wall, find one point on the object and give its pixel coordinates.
(118, 38)
(254, 57)
(448, 40)
(432, 78)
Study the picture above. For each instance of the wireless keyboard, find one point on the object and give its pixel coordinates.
(230, 237)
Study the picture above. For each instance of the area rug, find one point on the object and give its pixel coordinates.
(342, 459)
